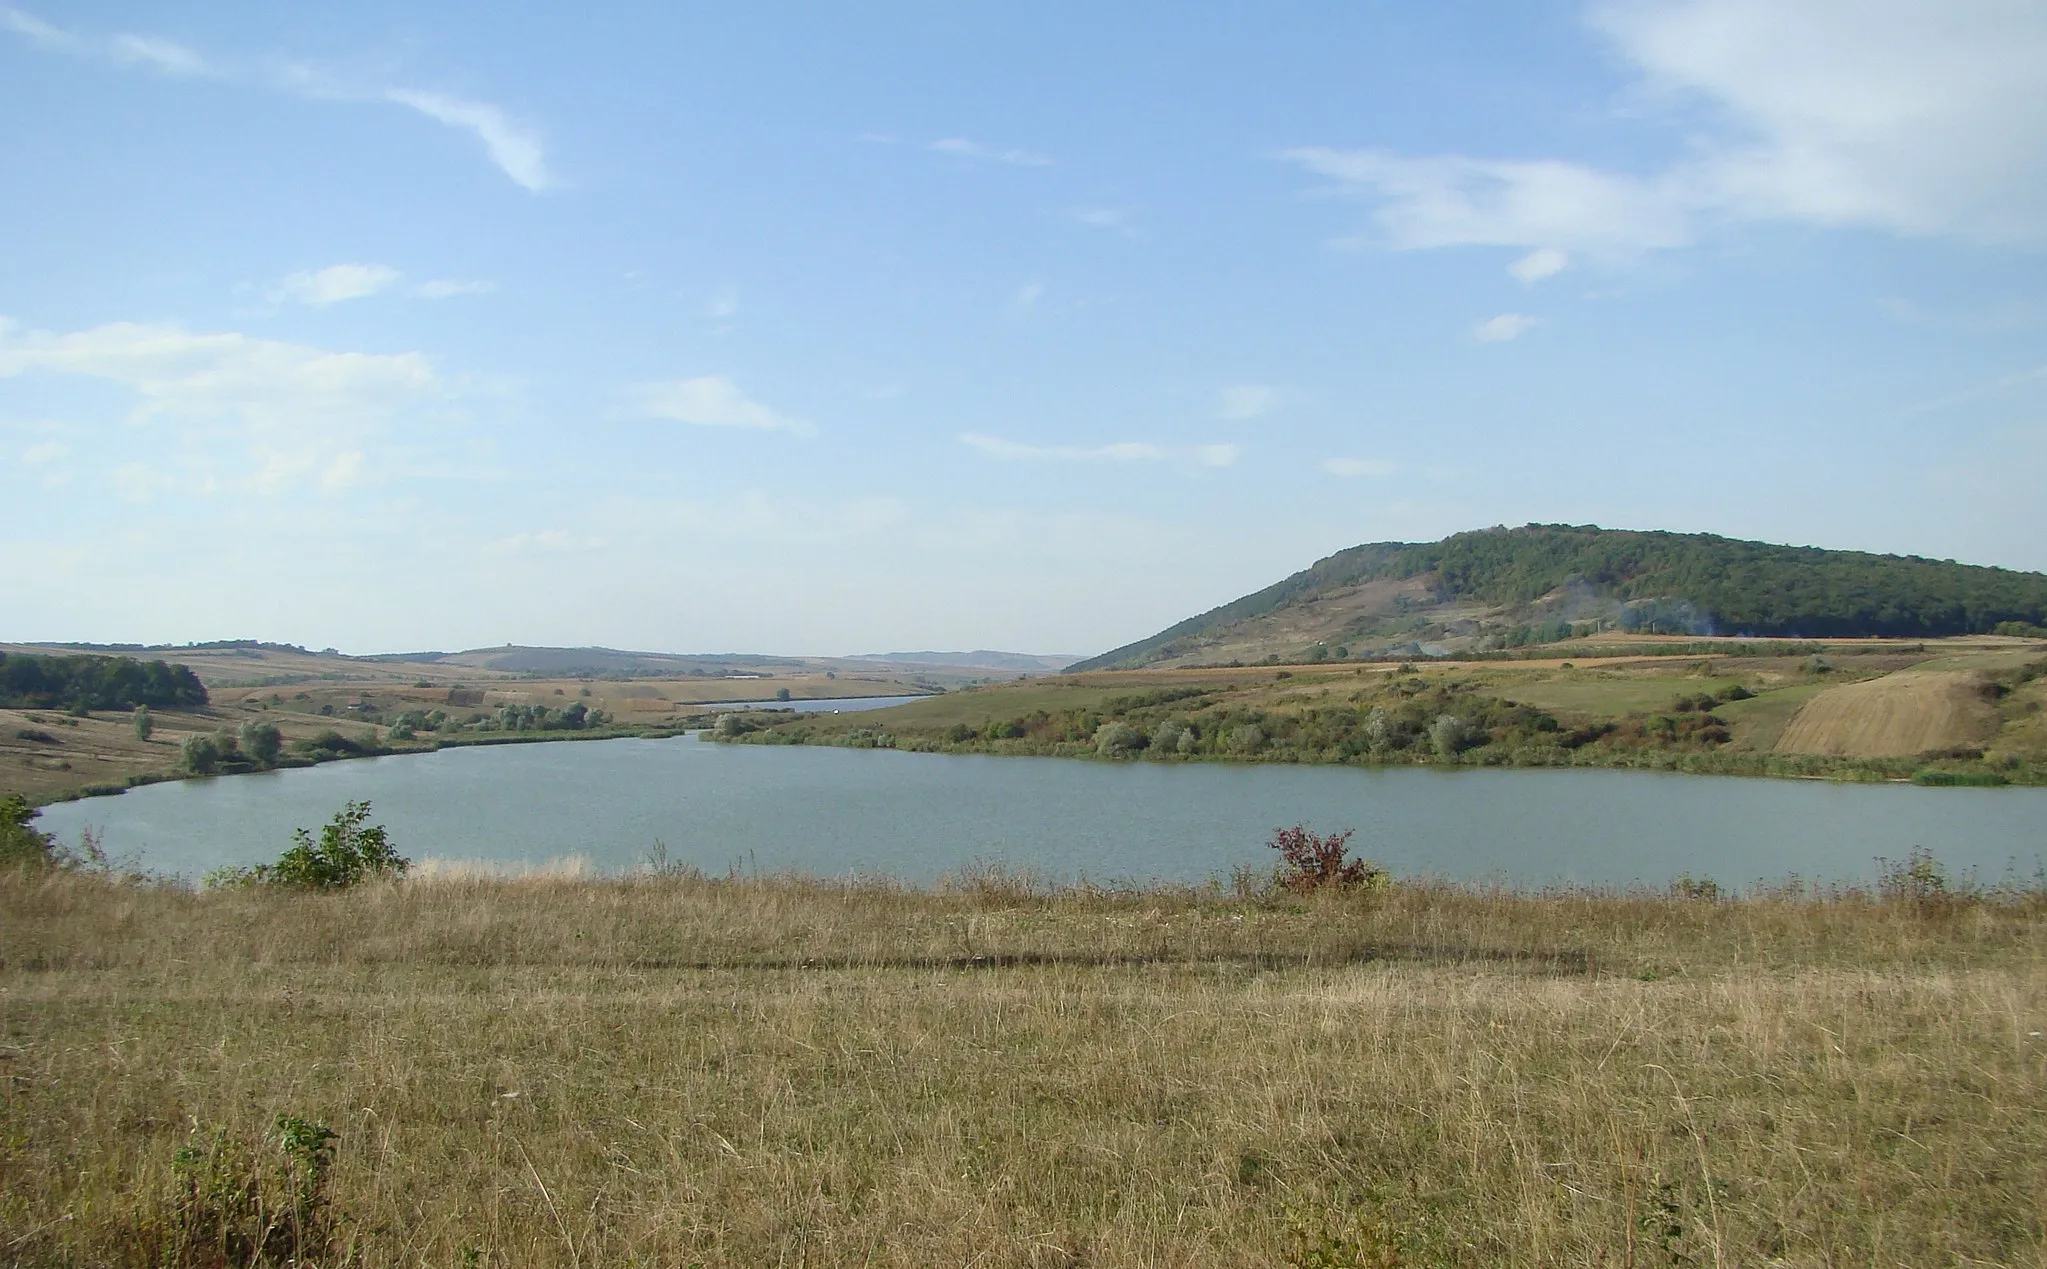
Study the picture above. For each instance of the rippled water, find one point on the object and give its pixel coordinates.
(834, 811)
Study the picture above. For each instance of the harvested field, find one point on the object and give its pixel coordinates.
(1895, 716)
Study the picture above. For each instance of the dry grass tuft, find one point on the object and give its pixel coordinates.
(672, 1069)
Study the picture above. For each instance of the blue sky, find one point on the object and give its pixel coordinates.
(791, 329)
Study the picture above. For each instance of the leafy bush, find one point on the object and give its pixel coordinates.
(1311, 861)
(1918, 882)
(1117, 739)
(228, 1209)
(200, 755)
(260, 741)
(349, 850)
(20, 845)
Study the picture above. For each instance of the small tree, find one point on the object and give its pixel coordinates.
(1312, 861)
(1450, 735)
(261, 742)
(1117, 739)
(144, 724)
(200, 755)
(349, 850)
(781, 693)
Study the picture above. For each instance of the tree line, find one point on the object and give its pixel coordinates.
(95, 682)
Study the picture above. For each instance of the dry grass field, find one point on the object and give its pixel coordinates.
(1895, 716)
(682, 1071)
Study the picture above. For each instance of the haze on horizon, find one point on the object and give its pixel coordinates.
(690, 328)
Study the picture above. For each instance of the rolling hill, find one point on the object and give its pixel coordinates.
(1501, 587)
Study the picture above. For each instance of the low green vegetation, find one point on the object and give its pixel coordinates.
(1710, 716)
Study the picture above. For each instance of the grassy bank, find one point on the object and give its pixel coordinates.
(1870, 711)
(679, 1070)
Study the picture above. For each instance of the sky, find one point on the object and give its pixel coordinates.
(834, 329)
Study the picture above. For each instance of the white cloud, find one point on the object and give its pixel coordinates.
(518, 153)
(445, 288)
(516, 150)
(1909, 117)
(1351, 468)
(713, 401)
(966, 149)
(1118, 452)
(1498, 330)
(1543, 262)
(333, 284)
(168, 56)
(252, 413)
(1451, 201)
(44, 452)
(1247, 401)
(39, 32)
(1026, 297)
(545, 541)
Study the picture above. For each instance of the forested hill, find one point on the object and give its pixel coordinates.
(1675, 582)
(95, 682)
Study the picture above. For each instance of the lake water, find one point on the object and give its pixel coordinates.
(837, 811)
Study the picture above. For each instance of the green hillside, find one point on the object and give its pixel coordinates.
(1540, 580)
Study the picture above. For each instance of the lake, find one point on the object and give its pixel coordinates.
(838, 811)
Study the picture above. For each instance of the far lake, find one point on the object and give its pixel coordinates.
(915, 816)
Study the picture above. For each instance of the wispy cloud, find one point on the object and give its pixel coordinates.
(1240, 401)
(1893, 114)
(1119, 452)
(966, 149)
(167, 56)
(258, 414)
(447, 288)
(516, 150)
(1352, 468)
(713, 401)
(1543, 262)
(333, 284)
(1498, 330)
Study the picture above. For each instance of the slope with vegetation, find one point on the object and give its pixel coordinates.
(1507, 588)
(1958, 711)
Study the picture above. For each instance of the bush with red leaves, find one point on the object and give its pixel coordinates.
(1310, 861)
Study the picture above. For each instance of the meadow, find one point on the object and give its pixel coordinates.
(673, 1069)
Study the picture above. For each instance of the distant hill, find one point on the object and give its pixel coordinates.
(1505, 587)
(982, 659)
(607, 662)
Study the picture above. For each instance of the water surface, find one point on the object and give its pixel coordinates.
(837, 811)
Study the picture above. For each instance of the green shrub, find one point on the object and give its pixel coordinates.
(20, 845)
(349, 850)
(200, 755)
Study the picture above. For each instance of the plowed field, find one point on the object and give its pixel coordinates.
(1895, 716)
